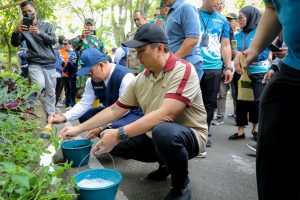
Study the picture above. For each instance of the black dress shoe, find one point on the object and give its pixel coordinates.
(208, 144)
(236, 136)
(160, 174)
(176, 194)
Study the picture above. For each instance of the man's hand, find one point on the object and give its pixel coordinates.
(85, 32)
(228, 75)
(21, 28)
(34, 29)
(109, 139)
(69, 132)
(281, 54)
(93, 133)
(268, 76)
(56, 119)
(247, 57)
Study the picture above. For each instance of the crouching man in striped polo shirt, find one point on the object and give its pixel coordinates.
(173, 129)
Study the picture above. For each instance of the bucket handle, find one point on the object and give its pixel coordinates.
(89, 155)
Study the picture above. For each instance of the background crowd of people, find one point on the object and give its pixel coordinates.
(209, 51)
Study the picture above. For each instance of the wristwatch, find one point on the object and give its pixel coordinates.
(123, 137)
(228, 68)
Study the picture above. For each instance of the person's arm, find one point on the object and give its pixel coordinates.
(118, 55)
(166, 113)
(226, 55)
(125, 82)
(83, 105)
(191, 28)
(102, 118)
(185, 48)
(268, 29)
(48, 37)
(78, 43)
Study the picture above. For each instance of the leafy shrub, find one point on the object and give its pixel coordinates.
(21, 175)
(15, 92)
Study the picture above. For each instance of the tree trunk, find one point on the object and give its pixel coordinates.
(7, 43)
(119, 26)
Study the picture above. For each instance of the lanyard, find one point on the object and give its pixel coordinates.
(205, 25)
(245, 39)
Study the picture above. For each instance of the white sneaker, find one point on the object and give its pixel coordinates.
(59, 104)
(202, 154)
(253, 147)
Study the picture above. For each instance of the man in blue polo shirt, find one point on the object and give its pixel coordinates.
(215, 44)
(183, 29)
(278, 143)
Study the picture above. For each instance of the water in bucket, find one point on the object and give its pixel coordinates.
(97, 184)
(94, 183)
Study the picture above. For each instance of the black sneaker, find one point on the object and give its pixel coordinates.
(253, 147)
(160, 174)
(176, 194)
(236, 136)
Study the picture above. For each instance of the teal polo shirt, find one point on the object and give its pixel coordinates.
(288, 16)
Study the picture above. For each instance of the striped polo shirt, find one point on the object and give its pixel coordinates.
(178, 80)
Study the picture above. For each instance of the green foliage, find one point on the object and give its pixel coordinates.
(14, 90)
(21, 176)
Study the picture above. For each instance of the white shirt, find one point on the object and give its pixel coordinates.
(120, 53)
(89, 97)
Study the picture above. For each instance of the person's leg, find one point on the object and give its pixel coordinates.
(258, 88)
(73, 90)
(57, 89)
(139, 148)
(175, 145)
(35, 74)
(60, 89)
(90, 113)
(50, 84)
(67, 91)
(210, 84)
(130, 117)
(242, 108)
(277, 170)
(221, 103)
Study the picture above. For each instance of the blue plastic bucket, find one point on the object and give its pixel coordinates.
(103, 193)
(77, 151)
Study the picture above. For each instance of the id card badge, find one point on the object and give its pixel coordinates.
(204, 40)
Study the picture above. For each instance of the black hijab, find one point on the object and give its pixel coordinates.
(253, 16)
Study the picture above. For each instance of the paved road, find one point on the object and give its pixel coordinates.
(227, 173)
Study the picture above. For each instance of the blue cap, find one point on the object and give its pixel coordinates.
(88, 59)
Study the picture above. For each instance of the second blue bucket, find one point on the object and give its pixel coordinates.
(104, 193)
(77, 151)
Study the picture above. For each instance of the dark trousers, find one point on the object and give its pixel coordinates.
(130, 117)
(251, 107)
(210, 85)
(171, 143)
(63, 83)
(277, 160)
(73, 90)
